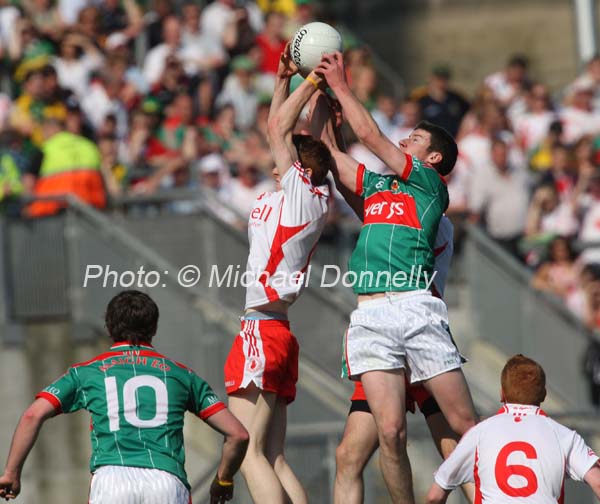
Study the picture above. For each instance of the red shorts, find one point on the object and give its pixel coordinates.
(414, 394)
(265, 353)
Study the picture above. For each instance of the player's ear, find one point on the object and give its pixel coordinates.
(434, 158)
(309, 172)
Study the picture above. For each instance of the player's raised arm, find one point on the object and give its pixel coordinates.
(234, 450)
(283, 120)
(23, 440)
(346, 167)
(285, 71)
(359, 118)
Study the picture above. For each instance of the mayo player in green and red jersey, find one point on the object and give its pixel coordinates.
(137, 398)
(399, 328)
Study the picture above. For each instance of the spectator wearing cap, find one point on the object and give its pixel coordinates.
(67, 164)
(213, 172)
(501, 198)
(439, 103)
(239, 90)
(28, 49)
(78, 58)
(117, 48)
(578, 117)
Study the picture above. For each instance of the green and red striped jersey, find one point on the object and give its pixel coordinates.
(137, 399)
(394, 251)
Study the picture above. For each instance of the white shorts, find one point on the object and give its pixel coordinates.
(401, 330)
(136, 485)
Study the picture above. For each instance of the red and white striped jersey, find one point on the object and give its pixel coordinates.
(443, 249)
(518, 455)
(283, 230)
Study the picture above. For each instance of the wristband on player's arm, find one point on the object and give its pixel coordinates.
(223, 483)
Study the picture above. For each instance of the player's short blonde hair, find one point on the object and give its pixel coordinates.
(523, 381)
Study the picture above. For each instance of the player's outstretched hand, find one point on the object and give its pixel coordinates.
(332, 68)
(10, 486)
(220, 491)
(287, 67)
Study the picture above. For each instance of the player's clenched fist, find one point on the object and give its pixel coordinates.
(10, 486)
(220, 491)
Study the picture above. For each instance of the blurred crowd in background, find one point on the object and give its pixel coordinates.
(118, 98)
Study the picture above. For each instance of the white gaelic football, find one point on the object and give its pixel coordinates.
(310, 42)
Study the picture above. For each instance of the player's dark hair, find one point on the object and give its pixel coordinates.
(132, 316)
(523, 381)
(442, 142)
(315, 155)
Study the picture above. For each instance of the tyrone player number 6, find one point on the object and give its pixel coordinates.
(503, 470)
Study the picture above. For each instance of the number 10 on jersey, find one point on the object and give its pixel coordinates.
(130, 402)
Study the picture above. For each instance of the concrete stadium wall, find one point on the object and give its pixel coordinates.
(474, 37)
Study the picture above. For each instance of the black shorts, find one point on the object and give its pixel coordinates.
(428, 408)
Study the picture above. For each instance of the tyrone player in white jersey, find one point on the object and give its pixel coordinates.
(262, 367)
(519, 455)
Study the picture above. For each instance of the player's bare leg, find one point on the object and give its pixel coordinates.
(356, 448)
(275, 455)
(385, 391)
(445, 440)
(254, 408)
(452, 394)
